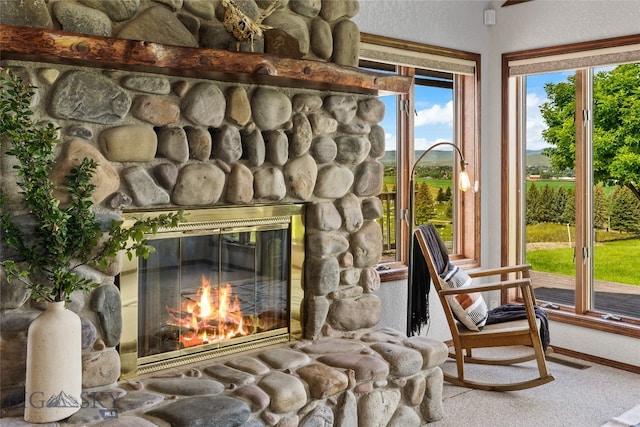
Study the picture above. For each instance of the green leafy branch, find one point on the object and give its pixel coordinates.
(64, 237)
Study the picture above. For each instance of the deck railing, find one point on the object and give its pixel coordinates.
(388, 222)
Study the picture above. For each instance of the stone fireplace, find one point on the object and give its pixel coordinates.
(178, 122)
(227, 280)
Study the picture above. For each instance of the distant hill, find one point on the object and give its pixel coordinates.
(435, 158)
(443, 158)
(536, 158)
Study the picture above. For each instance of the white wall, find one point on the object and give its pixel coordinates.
(459, 24)
(539, 24)
(452, 24)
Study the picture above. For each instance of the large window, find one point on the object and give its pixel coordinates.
(573, 199)
(441, 106)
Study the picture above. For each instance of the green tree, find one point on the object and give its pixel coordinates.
(533, 205)
(616, 126)
(600, 207)
(449, 209)
(547, 199)
(425, 206)
(569, 214)
(559, 205)
(441, 197)
(625, 210)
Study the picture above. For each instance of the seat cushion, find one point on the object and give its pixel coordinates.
(469, 309)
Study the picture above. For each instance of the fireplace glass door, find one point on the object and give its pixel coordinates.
(211, 288)
(204, 290)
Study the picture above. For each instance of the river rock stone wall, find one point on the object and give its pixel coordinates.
(168, 142)
(309, 29)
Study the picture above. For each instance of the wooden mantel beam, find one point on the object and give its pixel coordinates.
(55, 46)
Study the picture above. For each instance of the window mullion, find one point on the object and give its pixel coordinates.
(584, 192)
(405, 159)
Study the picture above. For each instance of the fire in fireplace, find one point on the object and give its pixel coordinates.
(227, 280)
(212, 315)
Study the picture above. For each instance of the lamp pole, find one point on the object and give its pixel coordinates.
(463, 184)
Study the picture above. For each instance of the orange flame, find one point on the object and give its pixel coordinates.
(213, 316)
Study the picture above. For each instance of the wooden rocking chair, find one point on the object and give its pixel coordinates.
(510, 333)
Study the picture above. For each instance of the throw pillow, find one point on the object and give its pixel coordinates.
(469, 309)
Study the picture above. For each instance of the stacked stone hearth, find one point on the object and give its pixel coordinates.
(373, 377)
(169, 142)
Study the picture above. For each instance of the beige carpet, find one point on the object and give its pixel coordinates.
(583, 395)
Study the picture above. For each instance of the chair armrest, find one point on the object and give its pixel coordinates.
(499, 270)
(495, 286)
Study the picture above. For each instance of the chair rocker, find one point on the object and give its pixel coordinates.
(509, 333)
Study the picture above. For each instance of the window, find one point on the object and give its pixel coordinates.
(441, 106)
(572, 133)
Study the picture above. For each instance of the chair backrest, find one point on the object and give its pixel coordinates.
(436, 256)
(434, 251)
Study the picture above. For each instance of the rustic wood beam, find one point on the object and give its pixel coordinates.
(55, 46)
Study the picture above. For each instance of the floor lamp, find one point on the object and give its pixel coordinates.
(464, 184)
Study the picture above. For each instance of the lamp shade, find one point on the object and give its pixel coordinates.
(464, 183)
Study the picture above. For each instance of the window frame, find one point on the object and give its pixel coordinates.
(466, 99)
(581, 57)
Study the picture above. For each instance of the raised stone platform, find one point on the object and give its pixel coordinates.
(369, 378)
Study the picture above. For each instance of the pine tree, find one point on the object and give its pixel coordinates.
(569, 214)
(449, 210)
(559, 205)
(533, 205)
(547, 199)
(600, 207)
(425, 207)
(625, 210)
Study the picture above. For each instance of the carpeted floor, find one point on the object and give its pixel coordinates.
(583, 395)
(607, 302)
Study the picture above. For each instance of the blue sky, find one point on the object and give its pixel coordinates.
(536, 96)
(433, 121)
(434, 114)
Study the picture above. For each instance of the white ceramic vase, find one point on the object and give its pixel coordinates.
(54, 365)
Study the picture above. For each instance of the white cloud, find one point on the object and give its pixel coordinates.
(535, 123)
(389, 142)
(436, 114)
(420, 144)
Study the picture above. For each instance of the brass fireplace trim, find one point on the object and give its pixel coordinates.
(205, 220)
(207, 355)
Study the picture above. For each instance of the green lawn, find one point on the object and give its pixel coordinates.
(554, 184)
(614, 261)
(390, 182)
